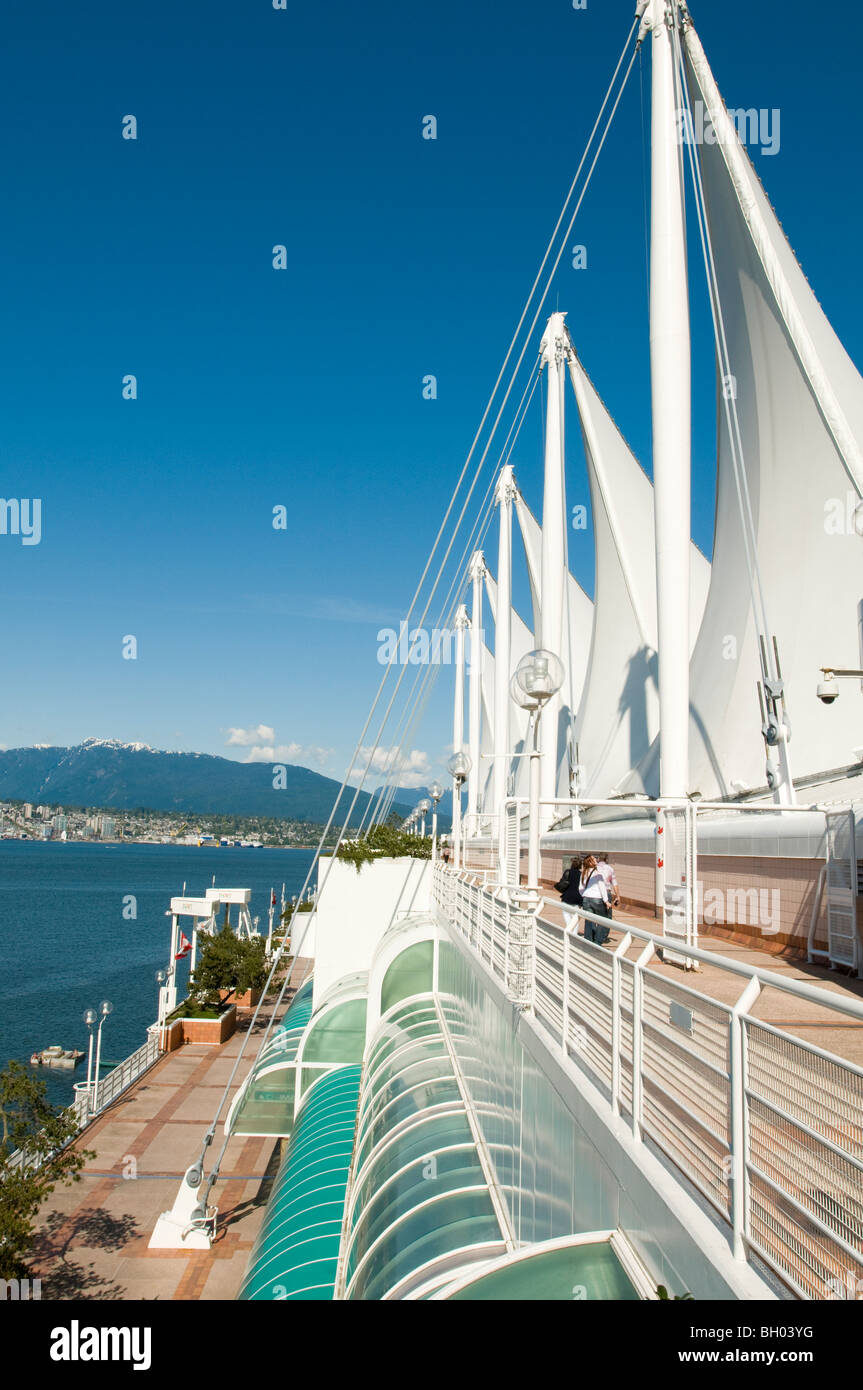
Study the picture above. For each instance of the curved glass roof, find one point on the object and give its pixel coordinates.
(295, 1256)
(571, 1274)
(266, 1103)
(419, 1192)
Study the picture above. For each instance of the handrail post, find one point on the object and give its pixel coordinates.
(564, 1028)
(637, 1038)
(739, 1128)
(616, 1029)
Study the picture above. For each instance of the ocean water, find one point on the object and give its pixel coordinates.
(65, 944)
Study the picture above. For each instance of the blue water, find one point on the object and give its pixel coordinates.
(65, 945)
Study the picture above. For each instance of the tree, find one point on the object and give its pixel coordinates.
(43, 1134)
(227, 963)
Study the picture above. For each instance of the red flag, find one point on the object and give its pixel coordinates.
(185, 946)
(273, 899)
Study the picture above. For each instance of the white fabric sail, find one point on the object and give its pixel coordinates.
(521, 642)
(578, 626)
(618, 715)
(800, 406)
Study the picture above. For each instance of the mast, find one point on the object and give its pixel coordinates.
(670, 373)
(477, 573)
(504, 495)
(555, 350)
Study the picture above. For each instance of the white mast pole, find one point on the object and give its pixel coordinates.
(670, 392)
(555, 349)
(502, 641)
(477, 573)
(462, 621)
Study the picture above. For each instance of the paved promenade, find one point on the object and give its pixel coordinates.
(92, 1237)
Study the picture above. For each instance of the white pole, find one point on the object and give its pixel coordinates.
(477, 574)
(456, 822)
(90, 1065)
(461, 622)
(670, 392)
(502, 642)
(171, 982)
(434, 834)
(533, 817)
(98, 1058)
(555, 350)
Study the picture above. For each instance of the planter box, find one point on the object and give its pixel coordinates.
(210, 1030)
(172, 1036)
(242, 1001)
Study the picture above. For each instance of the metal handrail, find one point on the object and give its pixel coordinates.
(719, 1150)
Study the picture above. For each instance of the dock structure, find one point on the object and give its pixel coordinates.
(91, 1241)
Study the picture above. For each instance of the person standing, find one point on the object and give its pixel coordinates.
(595, 897)
(603, 864)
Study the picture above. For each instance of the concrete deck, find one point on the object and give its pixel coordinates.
(812, 1023)
(91, 1239)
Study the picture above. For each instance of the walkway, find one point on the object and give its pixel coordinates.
(91, 1240)
(812, 1023)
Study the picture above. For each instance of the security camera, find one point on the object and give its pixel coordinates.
(828, 690)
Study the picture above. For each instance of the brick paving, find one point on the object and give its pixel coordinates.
(92, 1238)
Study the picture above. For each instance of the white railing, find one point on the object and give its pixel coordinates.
(767, 1127)
(110, 1087)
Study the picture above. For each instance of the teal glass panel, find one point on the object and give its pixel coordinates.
(429, 1137)
(410, 973)
(404, 1107)
(430, 1176)
(552, 1275)
(451, 1223)
(296, 1252)
(267, 1106)
(339, 1035)
(427, 1069)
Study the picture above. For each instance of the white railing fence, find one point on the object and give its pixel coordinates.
(767, 1127)
(88, 1103)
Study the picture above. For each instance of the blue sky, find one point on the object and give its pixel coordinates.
(303, 387)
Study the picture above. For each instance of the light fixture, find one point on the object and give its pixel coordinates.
(538, 676)
(459, 766)
(435, 791)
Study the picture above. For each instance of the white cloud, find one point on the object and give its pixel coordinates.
(408, 770)
(288, 753)
(243, 737)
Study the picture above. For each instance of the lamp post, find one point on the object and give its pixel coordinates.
(161, 981)
(459, 767)
(435, 792)
(105, 1008)
(538, 676)
(90, 1019)
(423, 809)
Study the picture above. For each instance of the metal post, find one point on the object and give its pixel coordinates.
(555, 349)
(637, 1038)
(533, 814)
(670, 373)
(616, 1030)
(477, 573)
(98, 1058)
(738, 1175)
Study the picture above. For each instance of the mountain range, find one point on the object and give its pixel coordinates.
(126, 776)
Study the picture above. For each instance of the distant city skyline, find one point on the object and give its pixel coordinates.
(162, 604)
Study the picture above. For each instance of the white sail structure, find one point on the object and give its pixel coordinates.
(522, 642)
(799, 402)
(619, 711)
(578, 626)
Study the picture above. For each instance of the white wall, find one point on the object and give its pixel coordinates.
(355, 910)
